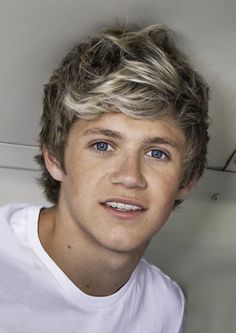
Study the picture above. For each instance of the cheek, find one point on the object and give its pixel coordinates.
(165, 185)
(82, 181)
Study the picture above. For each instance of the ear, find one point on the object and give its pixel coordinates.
(185, 191)
(52, 164)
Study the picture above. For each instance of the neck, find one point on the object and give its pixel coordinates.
(95, 270)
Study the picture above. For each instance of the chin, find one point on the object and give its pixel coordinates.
(126, 244)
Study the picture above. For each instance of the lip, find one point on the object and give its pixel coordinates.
(125, 215)
(125, 201)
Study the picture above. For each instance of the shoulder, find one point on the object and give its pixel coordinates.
(160, 285)
(162, 299)
(9, 212)
(14, 218)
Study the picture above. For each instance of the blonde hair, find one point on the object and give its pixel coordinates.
(138, 72)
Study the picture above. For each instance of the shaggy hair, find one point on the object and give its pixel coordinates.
(140, 73)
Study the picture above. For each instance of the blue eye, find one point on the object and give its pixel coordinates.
(102, 146)
(158, 154)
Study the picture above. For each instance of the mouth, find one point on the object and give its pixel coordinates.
(123, 208)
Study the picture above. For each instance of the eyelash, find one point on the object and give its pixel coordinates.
(95, 146)
(164, 155)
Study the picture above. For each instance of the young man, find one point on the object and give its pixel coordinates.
(123, 141)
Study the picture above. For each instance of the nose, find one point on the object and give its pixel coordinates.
(128, 172)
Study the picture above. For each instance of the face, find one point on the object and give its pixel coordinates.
(122, 178)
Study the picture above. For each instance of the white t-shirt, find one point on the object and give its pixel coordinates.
(37, 297)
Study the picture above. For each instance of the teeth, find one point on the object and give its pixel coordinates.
(121, 206)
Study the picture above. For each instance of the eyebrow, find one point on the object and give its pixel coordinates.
(117, 135)
(162, 141)
(106, 132)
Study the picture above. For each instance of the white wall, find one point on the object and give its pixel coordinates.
(197, 247)
(18, 175)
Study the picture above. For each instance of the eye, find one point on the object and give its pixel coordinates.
(102, 146)
(157, 154)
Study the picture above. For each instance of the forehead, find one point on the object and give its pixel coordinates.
(122, 127)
